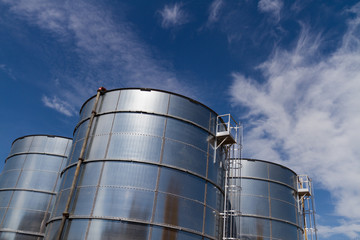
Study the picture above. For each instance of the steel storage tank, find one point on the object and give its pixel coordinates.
(28, 185)
(148, 171)
(268, 203)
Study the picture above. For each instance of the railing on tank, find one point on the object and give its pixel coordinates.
(226, 129)
(228, 136)
(303, 185)
(306, 206)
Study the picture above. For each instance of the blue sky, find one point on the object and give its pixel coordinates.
(289, 70)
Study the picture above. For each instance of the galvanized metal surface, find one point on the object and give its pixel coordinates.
(148, 171)
(28, 185)
(268, 206)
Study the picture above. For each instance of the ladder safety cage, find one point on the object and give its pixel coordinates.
(306, 206)
(229, 137)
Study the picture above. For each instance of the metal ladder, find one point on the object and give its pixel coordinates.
(228, 136)
(306, 206)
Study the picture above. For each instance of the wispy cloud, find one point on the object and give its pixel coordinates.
(306, 116)
(59, 105)
(108, 53)
(214, 11)
(272, 7)
(173, 15)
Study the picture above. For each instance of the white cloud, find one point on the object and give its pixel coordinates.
(173, 15)
(110, 52)
(59, 105)
(271, 6)
(306, 116)
(352, 230)
(214, 11)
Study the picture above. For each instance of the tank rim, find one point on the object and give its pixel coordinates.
(40, 135)
(265, 161)
(149, 90)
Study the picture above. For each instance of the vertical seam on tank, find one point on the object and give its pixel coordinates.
(159, 170)
(17, 181)
(102, 169)
(206, 182)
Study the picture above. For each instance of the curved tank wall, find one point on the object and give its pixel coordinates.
(28, 185)
(148, 171)
(268, 203)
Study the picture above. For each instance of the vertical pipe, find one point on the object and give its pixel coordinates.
(225, 202)
(313, 209)
(65, 214)
(303, 211)
(310, 218)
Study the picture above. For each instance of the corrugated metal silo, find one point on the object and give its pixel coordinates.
(148, 170)
(268, 202)
(28, 185)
